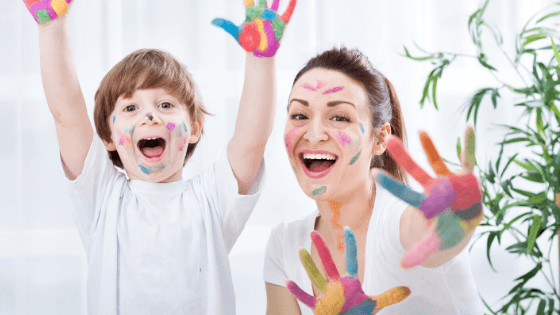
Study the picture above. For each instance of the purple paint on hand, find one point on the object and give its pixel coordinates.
(439, 199)
(333, 90)
(353, 293)
(170, 126)
(273, 45)
(301, 295)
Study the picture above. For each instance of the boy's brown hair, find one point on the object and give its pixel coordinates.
(141, 70)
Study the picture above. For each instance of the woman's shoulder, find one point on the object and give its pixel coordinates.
(295, 231)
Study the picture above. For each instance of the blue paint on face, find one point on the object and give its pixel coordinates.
(114, 118)
(132, 130)
(145, 170)
(361, 127)
(180, 132)
(185, 126)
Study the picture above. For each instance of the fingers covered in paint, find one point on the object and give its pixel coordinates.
(435, 160)
(401, 191)
(399, 154)
(325, 254)
(351, 252)
(312, 270)
(300, 294)
(263, 28)
(47, 10)
(390, 297)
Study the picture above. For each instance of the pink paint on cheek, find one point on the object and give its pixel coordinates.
(320, 84)
(181, 147)
(121, 141)
(290, 139)
(333, 90)
(170, 126)
(342, 138)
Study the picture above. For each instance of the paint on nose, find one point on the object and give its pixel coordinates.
(150, 116)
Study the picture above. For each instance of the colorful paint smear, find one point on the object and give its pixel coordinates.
(319, 191)
(361, 127)
(335, 209)
(290, 138)
(355, 158)
(184, 126)
(333, 90)
(342, 138)
(320, 84)
(114, 118)
(170, 126)
(132, 130)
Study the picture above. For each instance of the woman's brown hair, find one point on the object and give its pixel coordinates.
(383, 101)
(141, 70)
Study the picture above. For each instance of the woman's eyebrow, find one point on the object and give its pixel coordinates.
(335, 103)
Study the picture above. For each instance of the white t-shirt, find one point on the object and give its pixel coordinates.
(159, 248)
(447, 290)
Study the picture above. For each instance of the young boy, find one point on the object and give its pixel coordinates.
(156, 244)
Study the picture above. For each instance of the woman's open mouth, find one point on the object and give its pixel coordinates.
(152, 148)
(317, 164)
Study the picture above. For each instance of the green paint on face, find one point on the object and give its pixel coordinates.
(449, 230)
(319, 191)
(293, 167)
(43, 16)
(354, 159)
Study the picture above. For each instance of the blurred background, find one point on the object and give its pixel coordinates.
(43, 264)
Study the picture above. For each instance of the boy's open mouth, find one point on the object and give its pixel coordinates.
(317, 165)
(152, 148)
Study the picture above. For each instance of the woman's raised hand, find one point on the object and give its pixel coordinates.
(47, 10)
(452, 199)
(263, 27)
(341, 295)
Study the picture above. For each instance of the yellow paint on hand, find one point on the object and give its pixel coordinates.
(249, 3)
(392, 296)
(60, 7)
(263, 46)
(332, 301)
(469, 225)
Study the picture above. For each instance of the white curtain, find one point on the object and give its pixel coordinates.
(42, 261)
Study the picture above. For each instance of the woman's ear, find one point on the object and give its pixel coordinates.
(196, 127)
(381, 139)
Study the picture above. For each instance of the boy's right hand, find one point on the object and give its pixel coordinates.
(47, 10)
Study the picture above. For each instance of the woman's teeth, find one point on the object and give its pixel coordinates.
(309, 156)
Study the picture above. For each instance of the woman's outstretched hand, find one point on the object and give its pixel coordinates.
(47, 10)
(263, 27)
(341, 295)
(453, 200)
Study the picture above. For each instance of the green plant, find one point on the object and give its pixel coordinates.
(535, 213)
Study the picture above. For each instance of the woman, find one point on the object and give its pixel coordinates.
(341, 112)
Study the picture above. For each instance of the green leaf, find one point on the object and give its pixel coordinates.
(491, 237)
(430, 57)
(541, 307)
(537, 199)
(548, 16)
(508, 163)
(540, 125)
(459, 148)
(526, 166)
(555, 51)
(533, 231)
(482, 59)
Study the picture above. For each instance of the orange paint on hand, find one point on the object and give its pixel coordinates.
(392, 296)
(335, 208)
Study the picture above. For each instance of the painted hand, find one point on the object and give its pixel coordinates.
(341, 295)
(263, 28)
(47, 10)
(453, 199)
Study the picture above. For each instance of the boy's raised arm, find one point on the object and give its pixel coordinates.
(260, 36)
(60, 83)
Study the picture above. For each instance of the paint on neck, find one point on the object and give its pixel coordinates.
(333, 90)
(335, 206)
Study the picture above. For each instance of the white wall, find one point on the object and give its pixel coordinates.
(42, 261)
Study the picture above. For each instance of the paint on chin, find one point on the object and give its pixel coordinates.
(335, 209)
(154, 169)
(319, 191)
(343, 138)
(170, 126)
(290, 139)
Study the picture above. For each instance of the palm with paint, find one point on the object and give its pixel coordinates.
(263, 27)
(341, 295)
(451, 202)
(47, 10)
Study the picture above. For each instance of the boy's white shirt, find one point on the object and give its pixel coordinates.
(159, 248)
(446, 290)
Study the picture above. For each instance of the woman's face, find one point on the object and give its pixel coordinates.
(328, 135)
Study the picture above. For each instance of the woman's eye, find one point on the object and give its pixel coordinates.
(298, 117)
(130, 108)
(165, 105)
(340, 118)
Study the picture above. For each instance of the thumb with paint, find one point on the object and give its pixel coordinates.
(45, 11)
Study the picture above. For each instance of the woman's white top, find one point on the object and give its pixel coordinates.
(447, 290)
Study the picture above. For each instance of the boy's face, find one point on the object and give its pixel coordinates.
(151, 132)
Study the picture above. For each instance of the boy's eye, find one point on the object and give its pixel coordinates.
(340, 118)
(130, 108)
(298, 117)
(165, 105)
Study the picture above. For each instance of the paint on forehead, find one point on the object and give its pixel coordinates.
(114, 118)
(290, 139)
(333, 90)
(307, 86)
(170, 126)
(342, 138)
(361, 127)
(355, 158)
(319, 191)
(184, 126)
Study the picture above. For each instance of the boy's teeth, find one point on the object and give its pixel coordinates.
(327, 156)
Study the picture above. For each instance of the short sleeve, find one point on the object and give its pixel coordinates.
(234, 209)
(393, 210)
(90, 188)
(274, 271)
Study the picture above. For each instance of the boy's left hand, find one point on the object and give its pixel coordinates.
(263, 27)
(453, 200)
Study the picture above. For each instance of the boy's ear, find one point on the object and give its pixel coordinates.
(196, 127)
(381, 139)
(109, 146)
